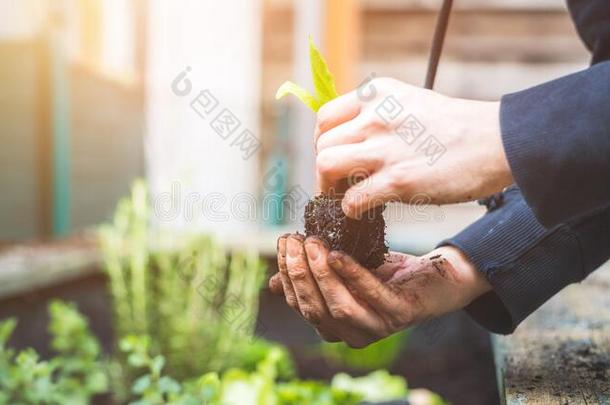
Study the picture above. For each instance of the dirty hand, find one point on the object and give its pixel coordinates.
(345, 302)
(408, 141)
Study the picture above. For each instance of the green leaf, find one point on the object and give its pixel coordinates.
(377, 386)
(6, 330)
(168, 385)
(97, 381)
(290, 88)
(136, 360)
(323, 80)
(141, 384)
(380, 354)
(422, 395)
(157, 364)
(209, 387)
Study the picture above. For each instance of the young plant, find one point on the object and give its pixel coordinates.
(196, 302)
(363, 239)
(323, 81)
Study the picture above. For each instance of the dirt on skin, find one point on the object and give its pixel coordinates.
(363, 239)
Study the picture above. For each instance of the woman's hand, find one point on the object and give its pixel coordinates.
(345, 302)
(407, 141)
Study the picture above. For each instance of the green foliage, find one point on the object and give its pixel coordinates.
(259, 387)
(196, 303)
(378, 386)
(424, 396)
(77, 373)
(187, 314)
(323, 81)
(152, 387)
(74, 376)
(299, 392)
(380, 354)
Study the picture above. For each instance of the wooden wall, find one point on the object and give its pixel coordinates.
(488, 52)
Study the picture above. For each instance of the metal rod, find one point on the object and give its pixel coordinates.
(438, 40)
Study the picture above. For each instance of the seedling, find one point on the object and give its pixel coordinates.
(363, 239)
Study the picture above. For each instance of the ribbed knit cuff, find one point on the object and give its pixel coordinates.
(524, 262)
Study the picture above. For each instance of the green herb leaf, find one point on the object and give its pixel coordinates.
(323, 80)
(378, 386)
(157, 364)
(299, 92)
(136, 360)
(6, 330)
(168, 385)
(141, 384)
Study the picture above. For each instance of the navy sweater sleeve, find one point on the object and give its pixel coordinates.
(554, 228)
(527, 263)
(557, 135)
(557, 140)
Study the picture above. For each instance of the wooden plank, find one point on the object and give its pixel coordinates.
(561, 353)
(25, 268)
(545, 5)
(542, 5)
(342, 41)
(517, 36)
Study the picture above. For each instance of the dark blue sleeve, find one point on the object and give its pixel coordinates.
(557, 135)
(557, 140)
(554, 229)
(527, 263)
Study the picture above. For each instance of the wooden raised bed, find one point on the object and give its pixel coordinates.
(561, 353)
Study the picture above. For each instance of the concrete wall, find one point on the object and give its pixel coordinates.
(18, 137)
(106, 142)
(107, 145)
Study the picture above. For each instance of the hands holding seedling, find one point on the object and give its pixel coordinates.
(358, 139)
(394, 149)
(344, 301)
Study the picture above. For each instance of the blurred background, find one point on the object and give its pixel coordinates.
(98, 93)
(89, 103)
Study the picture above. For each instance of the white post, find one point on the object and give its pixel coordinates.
(203, 74)
(307, 21)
